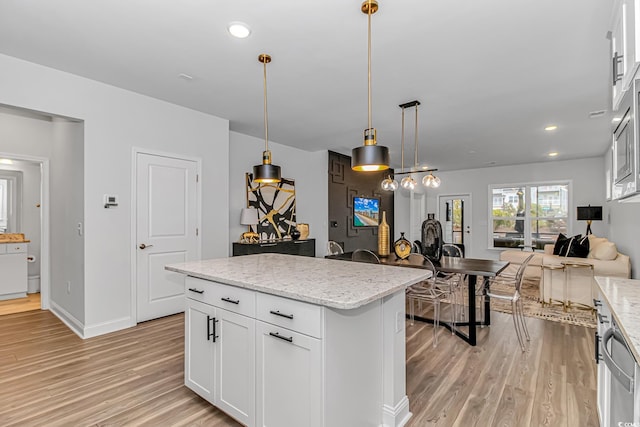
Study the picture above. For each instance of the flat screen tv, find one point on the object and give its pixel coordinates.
(366, 212)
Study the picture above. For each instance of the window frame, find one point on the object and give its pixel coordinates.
(528, 218)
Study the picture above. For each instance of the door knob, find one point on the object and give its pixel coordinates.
(143, 246)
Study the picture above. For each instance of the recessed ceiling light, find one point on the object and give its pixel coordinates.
(551, 127)
(239, 29)
(6, 161)
(616, 119)
(553, 154)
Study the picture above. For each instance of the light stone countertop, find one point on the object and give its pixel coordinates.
(623, 296)
(332, 283)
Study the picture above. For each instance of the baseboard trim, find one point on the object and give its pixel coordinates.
(107, 327)
(396, 416)
(67, 318)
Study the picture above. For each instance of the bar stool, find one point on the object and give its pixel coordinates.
(574, 266)
(551, 268)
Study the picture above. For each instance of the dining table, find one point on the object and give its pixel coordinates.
(471, 267)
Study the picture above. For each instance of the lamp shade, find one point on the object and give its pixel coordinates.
(266, 173)
(589, 213)
(370, 158)
(249, 216)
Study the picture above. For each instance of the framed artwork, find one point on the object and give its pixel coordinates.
(276, 205)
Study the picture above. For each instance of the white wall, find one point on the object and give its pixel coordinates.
(588, 187)
(307, 169)
(115, 121)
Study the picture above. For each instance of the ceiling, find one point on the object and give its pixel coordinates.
(490, 74)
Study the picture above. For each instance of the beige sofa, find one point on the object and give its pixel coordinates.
(603, 256)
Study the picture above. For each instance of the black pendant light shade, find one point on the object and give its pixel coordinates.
(370, 158)
(266, 172)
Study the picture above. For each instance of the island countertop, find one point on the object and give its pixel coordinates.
(331, 283)
(623, 296)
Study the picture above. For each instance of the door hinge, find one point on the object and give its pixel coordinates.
(197, 232)
(197, 178)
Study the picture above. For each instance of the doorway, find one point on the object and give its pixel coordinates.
(167, 200)
(455, 216)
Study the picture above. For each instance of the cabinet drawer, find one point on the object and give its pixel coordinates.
(232, 298)
(16, 248)
(295, 315)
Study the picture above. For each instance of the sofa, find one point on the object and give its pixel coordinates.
(603, 256)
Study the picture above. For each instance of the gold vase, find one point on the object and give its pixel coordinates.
(383, 236)
(304, 230)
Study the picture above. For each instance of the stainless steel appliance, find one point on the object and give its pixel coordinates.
(618, 374)
(625, 135)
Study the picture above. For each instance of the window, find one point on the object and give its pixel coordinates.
(530, 214)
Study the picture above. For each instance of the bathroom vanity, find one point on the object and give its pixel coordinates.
(13, 266)
(283, 340)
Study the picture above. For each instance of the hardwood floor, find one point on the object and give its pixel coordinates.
(50, 377)
(18, 305)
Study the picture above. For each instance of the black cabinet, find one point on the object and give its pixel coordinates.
(290, 247)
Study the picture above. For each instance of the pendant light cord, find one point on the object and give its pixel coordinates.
(266, 113)
(402, 143)
(369, 64)
(415, 160)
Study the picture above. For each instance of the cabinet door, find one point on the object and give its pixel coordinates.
(199, 358)
(289, 384)
(235, 366)
(618, 56)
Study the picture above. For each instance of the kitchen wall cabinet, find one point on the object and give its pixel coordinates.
(625, 47)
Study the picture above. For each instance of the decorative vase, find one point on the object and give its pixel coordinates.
(432, 238)
(294, 233)
(304, 230)
(402, 247)
(383, 236)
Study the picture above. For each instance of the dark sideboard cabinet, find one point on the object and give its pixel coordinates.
(289, 247)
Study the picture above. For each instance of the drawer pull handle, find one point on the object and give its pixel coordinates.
(277, 335)
(264, 245)
(299, 242)
(277, 313)
(603, 319)
(232, 301)
(196, 291)
(597, 303)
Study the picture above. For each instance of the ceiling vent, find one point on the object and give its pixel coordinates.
(595, 114)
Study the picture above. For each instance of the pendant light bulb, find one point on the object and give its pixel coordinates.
(389, 184)
(370, 156)
(266, 172)
(408, 183)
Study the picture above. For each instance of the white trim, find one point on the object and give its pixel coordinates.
(45, 261)
(134, 216)
(68, 319)
(467, 244)
(527, 225)
(107, 327)
(396, 416)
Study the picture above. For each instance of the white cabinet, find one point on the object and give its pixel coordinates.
(289, 371)
(270, 361)
(220, 347)
(625, 47)
(13, 270)
(200, 355)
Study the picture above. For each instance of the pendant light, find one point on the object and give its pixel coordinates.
(408, 182)
(266, 172)
(370, 156)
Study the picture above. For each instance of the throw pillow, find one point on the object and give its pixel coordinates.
(561, 242)
(606, 251)
(593, 243)
(578, 247)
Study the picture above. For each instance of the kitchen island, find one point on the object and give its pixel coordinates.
(284, 340)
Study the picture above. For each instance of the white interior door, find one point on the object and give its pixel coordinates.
(166, 231)
(455, 216)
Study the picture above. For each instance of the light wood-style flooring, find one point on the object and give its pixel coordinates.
(50, 377)
(19, 305)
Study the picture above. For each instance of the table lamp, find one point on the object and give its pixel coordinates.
(589, 214)
(249, 216)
